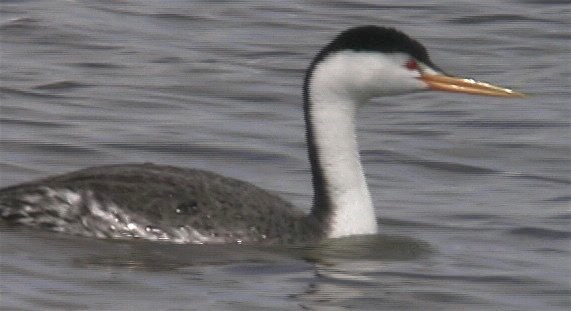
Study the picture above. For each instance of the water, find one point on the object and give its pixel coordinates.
(472, 193)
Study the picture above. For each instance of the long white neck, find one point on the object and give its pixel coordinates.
(342, 198)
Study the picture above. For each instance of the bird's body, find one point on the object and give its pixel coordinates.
(192, 206)
(157, 202)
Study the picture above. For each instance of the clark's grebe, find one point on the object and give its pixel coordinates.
(192, 206)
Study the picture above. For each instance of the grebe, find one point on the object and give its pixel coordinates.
(156, 202)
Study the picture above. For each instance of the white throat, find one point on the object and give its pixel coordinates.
(332, 116)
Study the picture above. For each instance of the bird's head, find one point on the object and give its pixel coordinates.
(370, 61)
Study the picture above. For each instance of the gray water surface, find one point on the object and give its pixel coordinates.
(472, 193)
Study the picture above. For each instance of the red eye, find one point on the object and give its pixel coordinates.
(411, 65)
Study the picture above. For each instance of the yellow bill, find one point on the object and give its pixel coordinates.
(468, 86)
